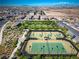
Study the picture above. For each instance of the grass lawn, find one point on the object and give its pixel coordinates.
(41, 25)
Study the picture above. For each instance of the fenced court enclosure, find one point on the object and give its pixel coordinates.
(43, 34)
(49, 47)
(45, 42)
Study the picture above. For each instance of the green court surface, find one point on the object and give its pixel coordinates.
(47, 48)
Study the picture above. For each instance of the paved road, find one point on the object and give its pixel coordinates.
(2, 22)
(2, 26)
(71, 28)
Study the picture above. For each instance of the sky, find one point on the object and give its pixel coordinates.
(36, 2)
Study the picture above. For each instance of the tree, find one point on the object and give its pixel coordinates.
(23, 57)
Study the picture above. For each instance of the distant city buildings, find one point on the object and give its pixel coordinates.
(18, 15)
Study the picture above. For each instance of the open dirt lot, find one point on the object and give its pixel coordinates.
(61, 12)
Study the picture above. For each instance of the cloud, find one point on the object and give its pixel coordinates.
(51, 4)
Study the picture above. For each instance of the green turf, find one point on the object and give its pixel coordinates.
(47, 48)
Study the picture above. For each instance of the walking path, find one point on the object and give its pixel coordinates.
(21, 40)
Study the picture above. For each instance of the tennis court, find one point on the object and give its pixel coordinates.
(42, 35)
(49, 47)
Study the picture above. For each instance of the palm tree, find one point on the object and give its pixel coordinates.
(29, 48)
(63, 57)
(43, 49)
(57, 48)
(70, 57)
(52, 54)
(30, 57)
